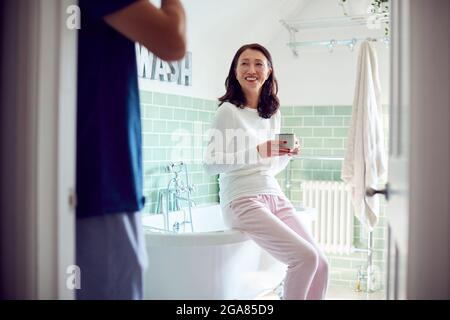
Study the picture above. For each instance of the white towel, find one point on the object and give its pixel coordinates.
(365, 159)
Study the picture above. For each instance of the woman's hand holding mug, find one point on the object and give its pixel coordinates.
(274, 148)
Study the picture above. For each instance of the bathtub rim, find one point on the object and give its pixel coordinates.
(202, 238)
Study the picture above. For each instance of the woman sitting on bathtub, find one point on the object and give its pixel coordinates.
(243, 151)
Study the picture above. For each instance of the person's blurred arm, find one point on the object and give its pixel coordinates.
(161, 30)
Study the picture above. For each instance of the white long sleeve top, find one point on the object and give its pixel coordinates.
(231, 152)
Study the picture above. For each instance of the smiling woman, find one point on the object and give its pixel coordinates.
(251, 81)
(251, 198)
(252, 71)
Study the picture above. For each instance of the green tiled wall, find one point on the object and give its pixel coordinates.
(322, 131)
(173, 130)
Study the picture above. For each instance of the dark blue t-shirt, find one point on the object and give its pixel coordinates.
(109, 161)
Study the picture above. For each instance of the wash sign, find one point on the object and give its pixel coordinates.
(152, 67)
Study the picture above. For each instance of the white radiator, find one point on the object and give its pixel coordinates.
(333, 228)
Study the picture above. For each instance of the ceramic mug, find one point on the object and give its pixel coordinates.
(289, 137)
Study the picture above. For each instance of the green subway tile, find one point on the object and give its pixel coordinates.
(323, 110)
(322, 152)
(165, 140)
(340, 132)
(166, 113)
(347, 121)
(161, 180)
(322, 175)
(192, 115)
(146, 154)
(173, 100)
(338, 153)
(331, 165)
(322, 132)
(303, 132)
(313, 121)
(306, 174)
(379, 243)
(159, 154)
(342, 110)
(197, 178)
(160, 99)
(306, 151)
(151, 112)
(210, 105)
(303, 111)
(310, 164)
(206, 105)
(197, 103)
(150, 139)
(146, 97)
(349, 274)
(202, 189)
(358, 263)
(378, 232)
(295, 196)
(213, 188)
(379, 255)
(179, 114)
(295, 165)
(172, 126)
(339, 283)
(147, 125)
(312, 142)
(333, 121)
(334, 143)
(149, 168)
(197, 153)
(213, 179)
(199, 168)
(186, 102)
(206, 118)
(188, 127)
(336, 176)
(159, 126)
(147, 184)
(340, 263)
(287, 111)
(292, 122)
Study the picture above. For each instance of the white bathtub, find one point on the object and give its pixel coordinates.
(212, 262)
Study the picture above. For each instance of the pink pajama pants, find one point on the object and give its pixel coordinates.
(271, 222)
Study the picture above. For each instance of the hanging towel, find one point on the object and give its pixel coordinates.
(365, 159)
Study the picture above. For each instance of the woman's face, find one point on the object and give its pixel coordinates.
(252, 70)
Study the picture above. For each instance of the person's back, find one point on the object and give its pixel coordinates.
(110, 248)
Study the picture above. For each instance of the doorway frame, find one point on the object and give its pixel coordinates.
(38, 116)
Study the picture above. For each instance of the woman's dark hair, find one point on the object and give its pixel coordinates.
(268, 103)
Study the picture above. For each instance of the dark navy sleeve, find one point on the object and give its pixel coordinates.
(97, 9)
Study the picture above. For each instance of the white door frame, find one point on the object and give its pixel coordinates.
(419, 206)
(38, 116)
(429, 242)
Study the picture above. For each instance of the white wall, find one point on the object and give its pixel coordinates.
(317, 77)
(216, 29)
